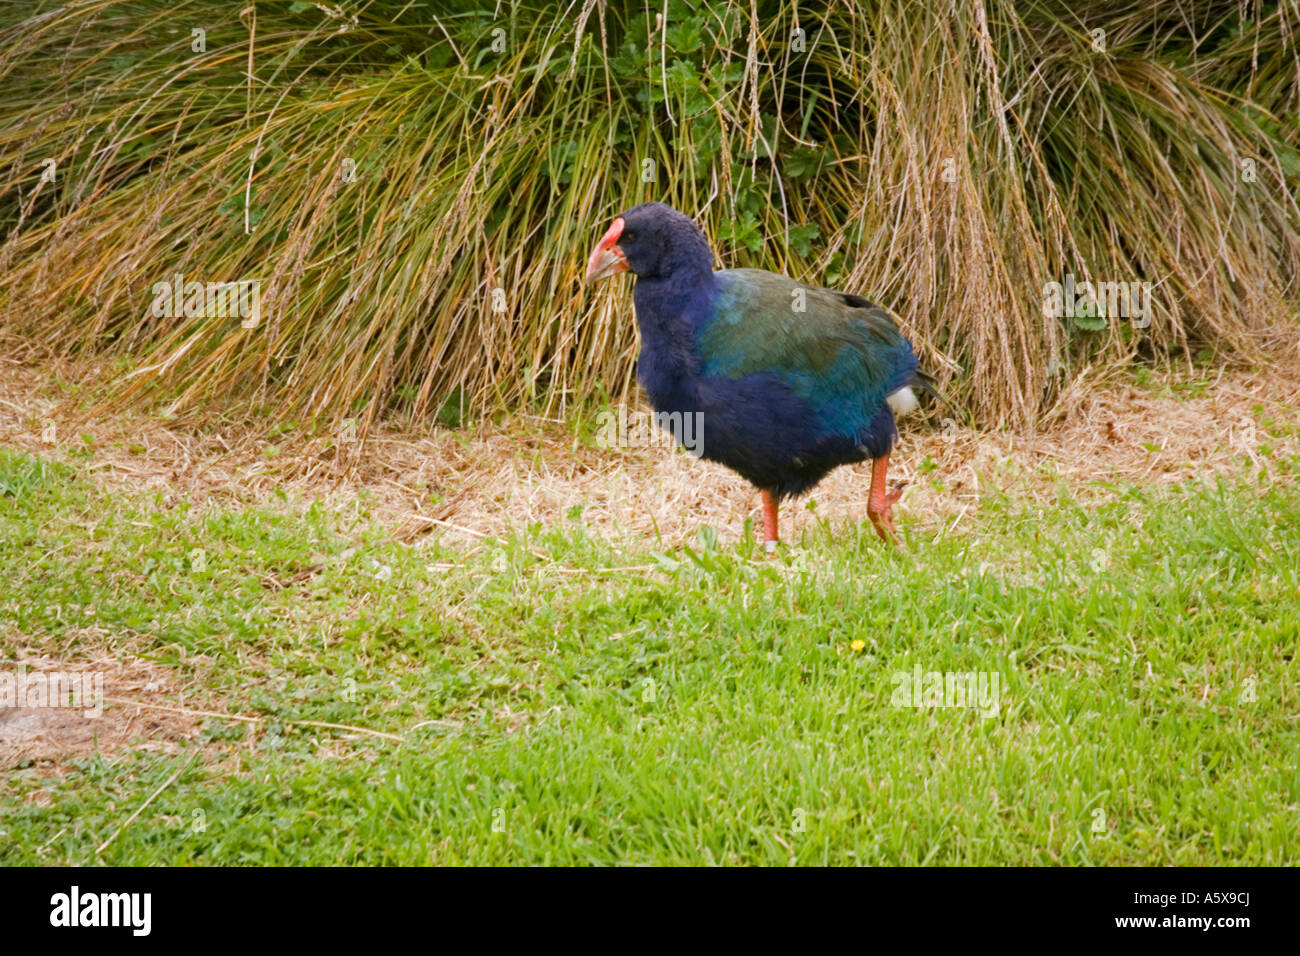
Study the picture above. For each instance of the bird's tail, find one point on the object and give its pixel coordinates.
(925, 382)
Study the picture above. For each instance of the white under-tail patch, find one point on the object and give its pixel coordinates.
(902, 401)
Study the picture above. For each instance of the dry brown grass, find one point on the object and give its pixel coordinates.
(49, 736)
(953, 160)
(495, 478)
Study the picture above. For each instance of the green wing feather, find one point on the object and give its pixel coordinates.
(839, 346)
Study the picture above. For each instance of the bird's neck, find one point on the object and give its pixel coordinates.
(669, 311)
(684, 295)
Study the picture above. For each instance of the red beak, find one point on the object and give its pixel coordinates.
(607, 258)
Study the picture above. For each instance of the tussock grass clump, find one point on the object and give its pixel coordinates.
(416, 187)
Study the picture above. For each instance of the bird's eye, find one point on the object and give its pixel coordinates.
(628, 237)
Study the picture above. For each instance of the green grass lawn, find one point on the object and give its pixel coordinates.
(561, 700)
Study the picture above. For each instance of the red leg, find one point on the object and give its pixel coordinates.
(769, 523)
(880, 504)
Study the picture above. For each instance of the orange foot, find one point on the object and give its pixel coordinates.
(879, 510)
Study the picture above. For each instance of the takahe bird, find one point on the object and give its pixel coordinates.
(792, 380)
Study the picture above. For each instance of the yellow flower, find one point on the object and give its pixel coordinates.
(858, 645)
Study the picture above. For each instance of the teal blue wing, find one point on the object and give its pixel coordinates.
(840, 352)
